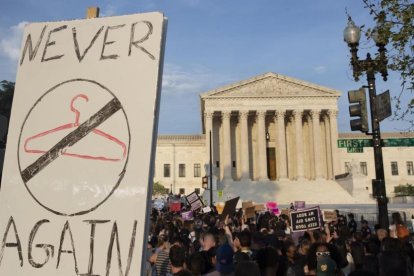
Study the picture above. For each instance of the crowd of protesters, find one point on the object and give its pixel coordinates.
(210, 244)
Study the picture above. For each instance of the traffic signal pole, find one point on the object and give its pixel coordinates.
(378, 185)
(352, 35)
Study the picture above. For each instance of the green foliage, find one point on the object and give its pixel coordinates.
(395, 21)
(404, 190)
(159, 189)
(6, 97)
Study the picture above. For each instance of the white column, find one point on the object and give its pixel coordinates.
(208, 123)
(300, 170)
(244, 145)
(317, 141)
(334, 141)
(329, 165)
(225, 116)
(281, 145)
(261, 139)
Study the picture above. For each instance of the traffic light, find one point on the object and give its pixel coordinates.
(358, 108)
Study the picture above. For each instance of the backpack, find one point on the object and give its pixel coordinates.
(402, 231)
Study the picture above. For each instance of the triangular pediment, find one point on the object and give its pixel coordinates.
(271, 85)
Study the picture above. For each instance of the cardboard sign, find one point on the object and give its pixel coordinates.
(299, 205)
(76, 187)
(247, 204)
(195, 201)
(249, 212)
(306, 219)
(229, 208)
(329, 216)
(187, 215)
(259, 207)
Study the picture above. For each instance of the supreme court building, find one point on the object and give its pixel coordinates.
(276, 138)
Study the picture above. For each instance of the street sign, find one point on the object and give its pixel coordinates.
(362, 143)
(355, 150)
(383, 102)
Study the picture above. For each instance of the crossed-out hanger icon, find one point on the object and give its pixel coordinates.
(74, 125)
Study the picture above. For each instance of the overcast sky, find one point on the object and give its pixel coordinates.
(216, 42)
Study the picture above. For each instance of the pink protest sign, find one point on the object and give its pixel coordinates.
(271, 205)
(275, 211)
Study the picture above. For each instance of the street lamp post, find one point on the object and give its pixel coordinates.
(370, 66)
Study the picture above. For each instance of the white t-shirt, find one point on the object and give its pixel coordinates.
(393, 231)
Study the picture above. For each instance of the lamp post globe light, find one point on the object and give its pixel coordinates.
(370, 67)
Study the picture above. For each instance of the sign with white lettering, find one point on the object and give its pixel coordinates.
(76, 181)
(195, 201)
(305, 219)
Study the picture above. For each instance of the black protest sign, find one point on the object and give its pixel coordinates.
(195, 201)
(305, 219)
(229, 208)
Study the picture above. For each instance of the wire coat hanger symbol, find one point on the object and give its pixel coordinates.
(76, 124)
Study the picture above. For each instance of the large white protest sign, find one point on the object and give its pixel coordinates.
(81, 145)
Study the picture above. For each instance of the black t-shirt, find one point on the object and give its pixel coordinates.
(240, 257)
(207, 260)
(300, 262)
(352, 225)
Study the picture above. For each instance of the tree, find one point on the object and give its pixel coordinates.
(6, 97)
(395, 22)
(159, 189)
(6, 100)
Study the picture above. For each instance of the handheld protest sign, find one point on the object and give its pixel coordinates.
(299, 205)
(229, 208)
(247, 204)
(329, 216)
(195, 201)
(259, 207)
(305, 219)
(249, 212)
(76, 187)
(206, 209)
(219, 207)
(187, 215)
(175, 206)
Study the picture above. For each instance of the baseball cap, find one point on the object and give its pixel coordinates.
(325, 267)
(224, 257)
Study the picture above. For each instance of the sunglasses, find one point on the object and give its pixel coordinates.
(322, 254)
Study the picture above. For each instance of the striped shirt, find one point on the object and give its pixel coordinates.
(162, 264)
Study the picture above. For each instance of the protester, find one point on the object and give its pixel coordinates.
(214, 245)
(397, 227)
(365, 230)
(352, 225)
(177, 259)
